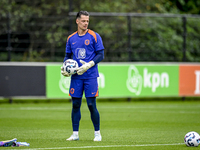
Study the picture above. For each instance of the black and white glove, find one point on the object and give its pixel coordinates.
(84, 67)
(64, 73)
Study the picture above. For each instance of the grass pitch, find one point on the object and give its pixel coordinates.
(124, 125)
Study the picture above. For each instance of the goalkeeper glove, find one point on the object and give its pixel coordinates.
(85, 67)
(66, 74)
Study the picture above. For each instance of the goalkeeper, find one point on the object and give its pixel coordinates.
(86, 47)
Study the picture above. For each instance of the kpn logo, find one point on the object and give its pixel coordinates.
(64, 84)
(147, 79)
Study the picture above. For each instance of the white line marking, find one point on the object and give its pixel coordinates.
(69, 108)
(102, 146)
(37, 108)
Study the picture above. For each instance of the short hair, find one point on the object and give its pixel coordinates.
(85, 13)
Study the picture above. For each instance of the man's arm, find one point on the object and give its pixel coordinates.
(99, 57)
(67, 56)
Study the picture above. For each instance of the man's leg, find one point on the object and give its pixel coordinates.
(76, 117)
(76, 113)
(95, 117)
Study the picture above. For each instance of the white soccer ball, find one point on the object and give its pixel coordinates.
(192, 139)
(70, 66)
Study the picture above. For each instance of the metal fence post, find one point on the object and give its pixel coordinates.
(70, 17)
(184, 19)
(129, 38)
(9, 48)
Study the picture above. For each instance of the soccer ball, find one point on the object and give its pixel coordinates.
(192, 139)
(70, 66)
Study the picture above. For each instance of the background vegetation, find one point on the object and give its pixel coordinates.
(39, 29)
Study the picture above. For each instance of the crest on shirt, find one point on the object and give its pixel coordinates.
(80, 53)
(87, 42)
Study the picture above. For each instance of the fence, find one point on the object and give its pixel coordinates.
(127, 37)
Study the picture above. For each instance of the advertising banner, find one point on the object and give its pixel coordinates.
(189, 80)
(115, 80)
(57, 86)
(121, 80)
(138, 80)
(22, 81)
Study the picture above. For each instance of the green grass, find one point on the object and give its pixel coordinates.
(124, 125)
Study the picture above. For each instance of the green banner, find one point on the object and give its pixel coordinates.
(57, 86)
(121, 80)
(138, 80)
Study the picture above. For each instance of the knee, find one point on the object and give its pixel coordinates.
(76, 105)
(91, 107)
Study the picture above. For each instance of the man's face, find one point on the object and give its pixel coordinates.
(83, 22)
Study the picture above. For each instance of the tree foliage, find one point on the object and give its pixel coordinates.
(40, 29)
(185, 6)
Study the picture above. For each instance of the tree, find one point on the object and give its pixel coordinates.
(184, 6)
(46, 25)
